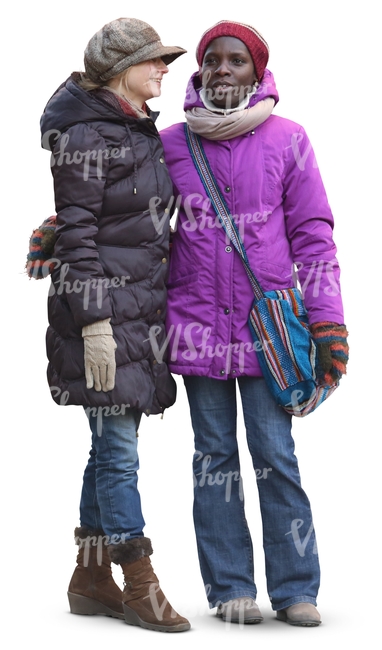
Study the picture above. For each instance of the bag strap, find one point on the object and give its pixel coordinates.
(219, 204)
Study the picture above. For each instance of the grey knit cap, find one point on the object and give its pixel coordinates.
(122, 43)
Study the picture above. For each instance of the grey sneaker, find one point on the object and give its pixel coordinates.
(303, 614)
(240, 610)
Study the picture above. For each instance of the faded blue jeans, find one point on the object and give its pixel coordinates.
(223, 537)
(110, 499)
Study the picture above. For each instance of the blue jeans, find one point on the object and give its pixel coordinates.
(110, 499)
(223, 538)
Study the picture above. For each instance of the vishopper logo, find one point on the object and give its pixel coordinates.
(294, 405)
(301, 545)
(300, 156)
(215, 94)
(235, 611)
(97, 412)
(99, 542)
(320, 274)
(262, 90)
(92, 160)
(159, 609)
(58, 393)
(185, 335)
(204, 478)
(62, 286)
(100, 412)
(199, 214)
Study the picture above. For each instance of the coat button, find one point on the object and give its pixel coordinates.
(226, 311)
(161, 160)
(228, 249)
(222, 372)
(159, 311)
(164, 260)
(233, 372)
(227, 189)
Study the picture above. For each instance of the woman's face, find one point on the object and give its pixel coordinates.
(143, 81)
(227, 72)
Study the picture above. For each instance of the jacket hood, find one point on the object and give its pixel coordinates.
(267, 88)
(71, 104)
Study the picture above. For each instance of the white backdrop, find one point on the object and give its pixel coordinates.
(322, 56)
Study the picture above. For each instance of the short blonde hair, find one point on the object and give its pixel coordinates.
(87, 84)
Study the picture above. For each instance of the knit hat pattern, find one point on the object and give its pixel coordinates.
(122, 43)
(256, 44)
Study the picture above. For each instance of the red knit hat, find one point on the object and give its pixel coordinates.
(257, 46)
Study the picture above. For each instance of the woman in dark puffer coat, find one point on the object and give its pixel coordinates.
(107, 298)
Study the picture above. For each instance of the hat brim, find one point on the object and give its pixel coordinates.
(168, 54)
(146, 53)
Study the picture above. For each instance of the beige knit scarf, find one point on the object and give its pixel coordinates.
(225, 125)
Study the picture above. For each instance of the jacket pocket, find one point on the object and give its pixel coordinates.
(275, 276)
(125, 265)
(177, 280)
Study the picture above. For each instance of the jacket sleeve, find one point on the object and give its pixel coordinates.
(309, 227)
(79, 167)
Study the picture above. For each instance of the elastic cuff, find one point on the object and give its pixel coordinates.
(100, 327)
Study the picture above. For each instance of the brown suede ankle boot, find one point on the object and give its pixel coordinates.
(92, 589)
(144, 603)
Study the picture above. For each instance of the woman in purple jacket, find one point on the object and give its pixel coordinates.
(266, 169)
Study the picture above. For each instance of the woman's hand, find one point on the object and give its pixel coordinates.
(332, 350)
(99, 348)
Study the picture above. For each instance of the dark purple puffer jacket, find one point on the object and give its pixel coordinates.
(112, 190)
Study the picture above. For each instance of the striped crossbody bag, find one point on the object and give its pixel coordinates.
(278, 320)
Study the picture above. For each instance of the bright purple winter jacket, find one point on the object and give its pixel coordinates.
(271, 183)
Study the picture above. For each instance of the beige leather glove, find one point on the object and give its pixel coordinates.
(99, 350)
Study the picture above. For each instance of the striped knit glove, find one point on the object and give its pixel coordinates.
(332, 350)
(99, 349)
